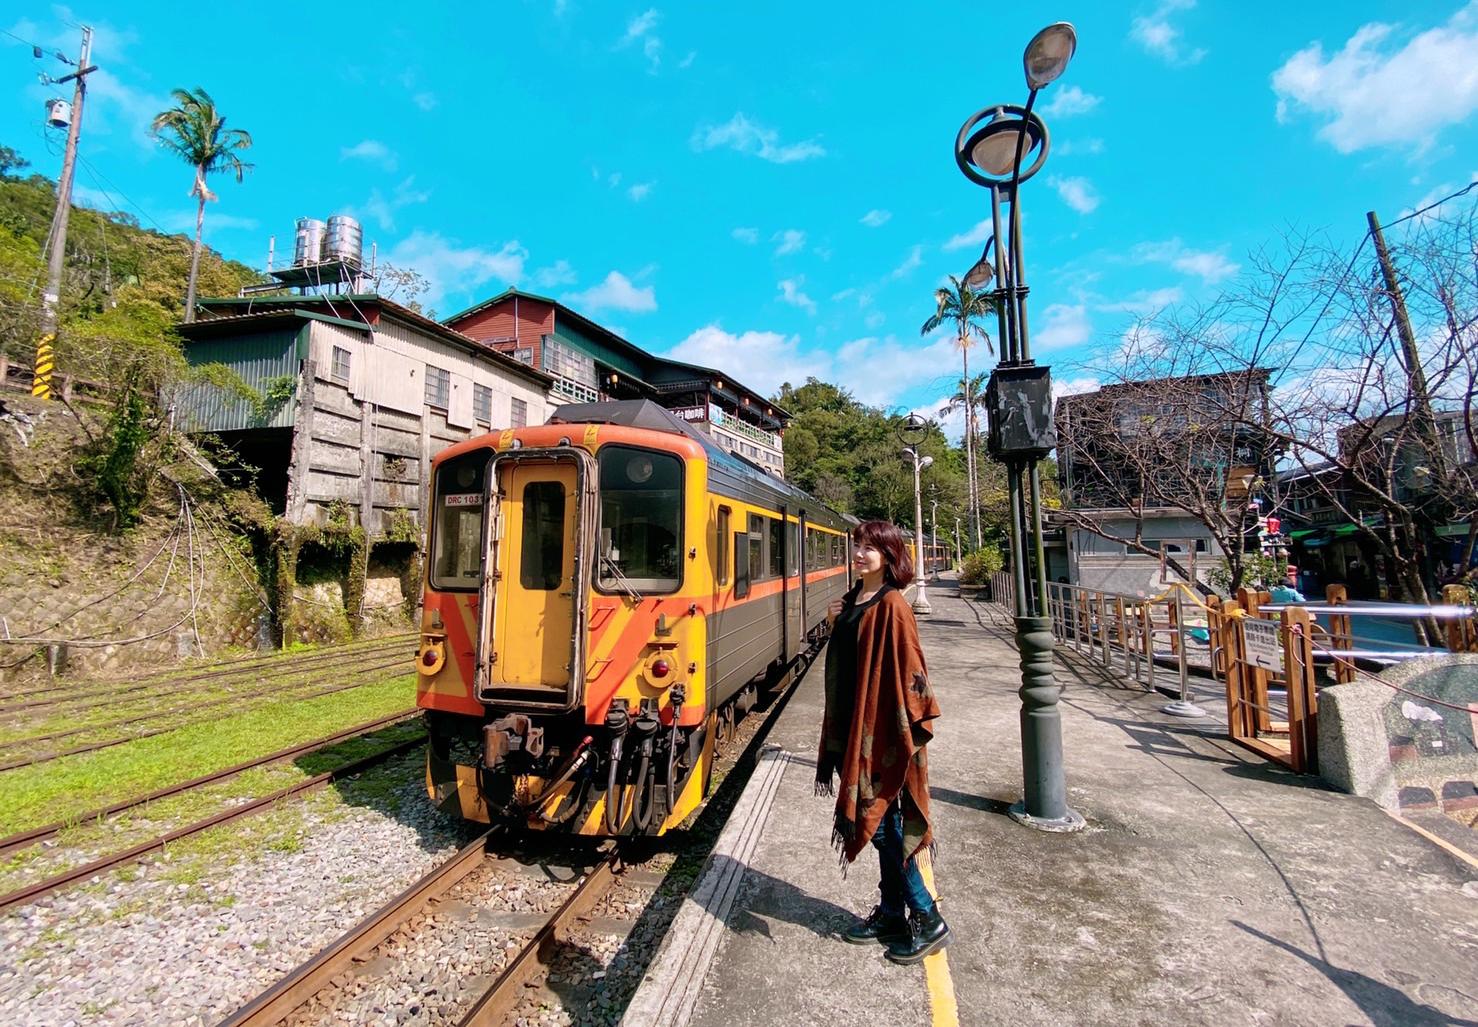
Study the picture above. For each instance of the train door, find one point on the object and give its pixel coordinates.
(532, 601)
(777, 538)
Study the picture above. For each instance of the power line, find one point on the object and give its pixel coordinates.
(1433, 206)
(96, 174)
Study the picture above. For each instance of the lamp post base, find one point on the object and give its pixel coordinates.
(1045, 806)
(1181, 708)
(921, 601)
(1070, 821)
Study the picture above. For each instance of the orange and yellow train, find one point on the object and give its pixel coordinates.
(600, 591)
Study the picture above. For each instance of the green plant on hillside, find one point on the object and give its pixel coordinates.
(194, 130)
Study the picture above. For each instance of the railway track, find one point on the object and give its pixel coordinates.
(219, 669)
(157, 688)
(61, 880)
(288, 998)
(317, 990)
(24, 838)
(365, 676)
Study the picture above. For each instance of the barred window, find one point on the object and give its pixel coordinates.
(482, 403)
(438, 387)
(519, 415)
(524, 355)
(340, 372)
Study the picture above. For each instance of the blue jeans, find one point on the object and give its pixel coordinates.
(902, 884)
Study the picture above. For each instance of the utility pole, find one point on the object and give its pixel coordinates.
(51, 297)
(1426, 420)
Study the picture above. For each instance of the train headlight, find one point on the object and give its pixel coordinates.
(660, 668)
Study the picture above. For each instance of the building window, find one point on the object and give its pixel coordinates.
(518, 415)
(482, 403)
(438, 387)
(341, 365)
(524, 355)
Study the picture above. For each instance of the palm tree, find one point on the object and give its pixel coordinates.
(195, 132)
(963, 308)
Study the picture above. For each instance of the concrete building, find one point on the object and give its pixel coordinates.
(589, 362)
(360, 394)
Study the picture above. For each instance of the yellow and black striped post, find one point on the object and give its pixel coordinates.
(45, 362)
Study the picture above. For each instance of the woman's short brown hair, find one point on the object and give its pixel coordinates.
(886, 538)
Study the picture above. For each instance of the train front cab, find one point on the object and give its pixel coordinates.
(562, 655)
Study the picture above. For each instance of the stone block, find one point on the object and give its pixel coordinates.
(1355, 754)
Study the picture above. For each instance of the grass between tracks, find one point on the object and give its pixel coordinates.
(70, 786)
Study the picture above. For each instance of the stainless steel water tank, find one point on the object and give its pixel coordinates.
(345, 240)
(308, 241)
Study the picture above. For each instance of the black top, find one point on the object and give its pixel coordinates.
(841, 654)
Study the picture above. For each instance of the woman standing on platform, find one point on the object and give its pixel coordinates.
(879, 717)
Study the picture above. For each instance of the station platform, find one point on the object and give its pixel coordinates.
(1208, 887)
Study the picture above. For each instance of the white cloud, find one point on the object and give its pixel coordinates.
(1077, 192)
(1158, 36)
(879, 371)
(371, 150)
(876, 218)
(556, 274)
(745, 136)
(425, 100)
(975, 237)
(1071, 100)
(618, 293)
(792, 240)
(1146, 301)
(1062, 326)
(761, 360)
(910, 264)
(687, 62)
(1075, 386)
(184, 221)
(406, 195)
(748, 236)
(1211, 266)
(639, 29)
(790, 292)
(448, 266)
(1373, 93)
(640, 191)
(1091, 146)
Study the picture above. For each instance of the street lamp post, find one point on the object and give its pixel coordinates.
(989, 150)
(933, 531)
(913, 432)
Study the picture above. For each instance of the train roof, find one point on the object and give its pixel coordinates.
(724, 466)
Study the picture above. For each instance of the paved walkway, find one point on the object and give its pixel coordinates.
(1209, 886)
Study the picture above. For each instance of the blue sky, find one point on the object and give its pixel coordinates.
(770, 188)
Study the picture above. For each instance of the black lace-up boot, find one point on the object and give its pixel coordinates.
(880, 927)
(927, 932)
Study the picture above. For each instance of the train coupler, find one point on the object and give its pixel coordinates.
(513, 733)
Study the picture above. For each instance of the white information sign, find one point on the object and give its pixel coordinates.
(1264, 643)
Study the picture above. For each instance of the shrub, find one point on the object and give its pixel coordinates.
(978, 567)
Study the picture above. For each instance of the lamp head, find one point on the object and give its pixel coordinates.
(926, 462)
(913, 430)
(1048, 54)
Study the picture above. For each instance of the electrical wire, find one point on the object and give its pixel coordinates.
(96, 174)
(1435, 204)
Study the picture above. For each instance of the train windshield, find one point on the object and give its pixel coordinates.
(456, 561)
(640, 520)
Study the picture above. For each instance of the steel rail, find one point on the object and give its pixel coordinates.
(132, 853)
(24, 838)
(229, 666)
(168, 686)
(46, 757)
(308, 978)
(508, 989)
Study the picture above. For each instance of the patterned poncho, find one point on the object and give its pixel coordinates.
(879, 750)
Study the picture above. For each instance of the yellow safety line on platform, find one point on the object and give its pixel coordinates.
(1429, 836)
(942, 1005)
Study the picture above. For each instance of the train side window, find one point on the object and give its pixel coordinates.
(456, 519)
(777, 549)
(723, 545)
(745, 546)
(755, 550)
(794, 562)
